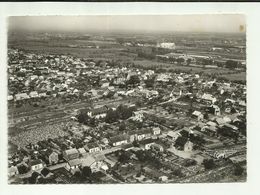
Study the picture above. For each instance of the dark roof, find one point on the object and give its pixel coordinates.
(99, 110)
(35, 162)
(144, 131)
(146, 141)
(92, 145)
(45, 172)
(118, 138)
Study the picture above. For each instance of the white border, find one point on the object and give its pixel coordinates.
(252, 12)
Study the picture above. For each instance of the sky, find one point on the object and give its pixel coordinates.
(145, 23)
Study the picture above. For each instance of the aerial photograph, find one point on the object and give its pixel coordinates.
(127, 99)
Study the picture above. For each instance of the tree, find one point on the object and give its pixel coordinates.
(122, 126)
(180, 60)
(208, 163)
(238, 170)
(149, 83)
(123, 157)
(206, 116)
(112, 116)
(33, 178)
(141, 155)
(37, 72)
(20, 74)
(134, 79)
(124, 112)
(83, 117)
(188, 61)
(22, 169)
(86, 172)
(231, 64)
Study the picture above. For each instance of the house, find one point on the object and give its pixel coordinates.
(138, 116)
(92, 147)
(42, 95)
(211, 128)
(53, 157)
(12, 171)
(163, 178)
(197, 115)
(220, 121)
(71, 154)
(146, 144)
(33, 94)
(208, 98)
(109, 162)
(98, 113)
(10, 97)
(118, 140)
(36, 165)
(200, 126)
(73, 165)
(230, 127)
(214, 109)
(46, 172)
(188, 146)
(157, 147)
(132, 135)
(143, 134)
(156, 131)
(21, 96)
(173, 135)
(105, 141)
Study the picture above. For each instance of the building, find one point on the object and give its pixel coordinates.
(92, 147)
(91, 162)
(36, 165)
(197, 115)
(70, 154)
(143, 134)
(53, 157)
(118, 140)
(166, 45)
(208, 98)
(146, 144)
(21, 96)
(173, 135)
(12, 171)
(188, 146)
(73, 165)
(156, 131)
(214, 109)
(33, 94)
(98, 112)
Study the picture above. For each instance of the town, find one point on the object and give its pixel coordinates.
(173, 111)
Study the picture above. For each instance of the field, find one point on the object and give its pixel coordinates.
(78, 48)
(223, 72)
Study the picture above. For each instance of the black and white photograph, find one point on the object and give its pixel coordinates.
(129, 98)
(120, 99)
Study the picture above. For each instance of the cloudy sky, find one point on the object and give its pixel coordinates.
(148, 23)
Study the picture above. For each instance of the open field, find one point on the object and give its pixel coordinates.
(77, 48)
(223, 72)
